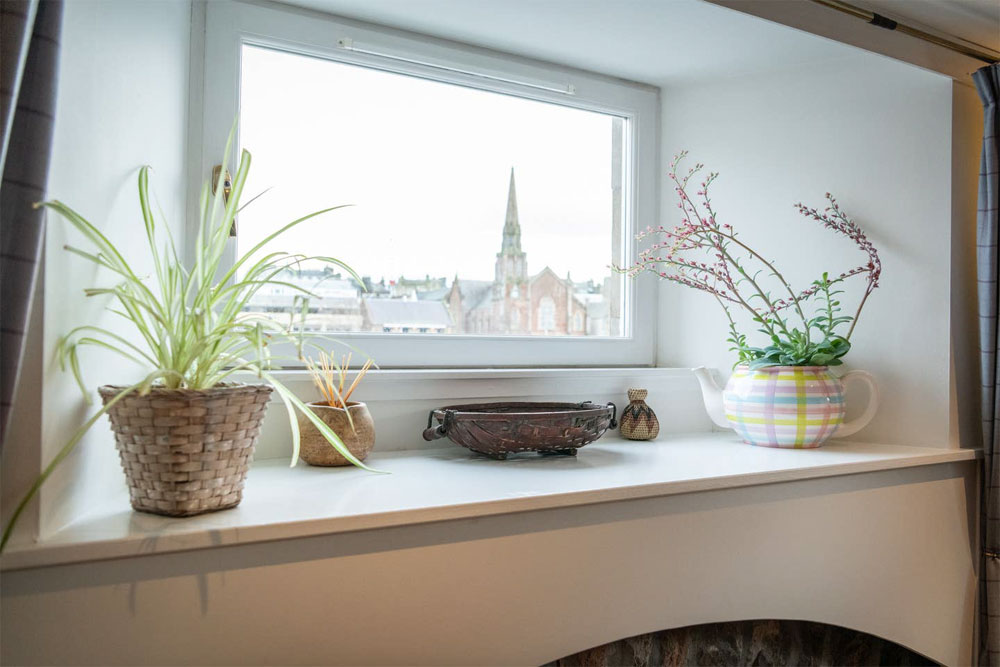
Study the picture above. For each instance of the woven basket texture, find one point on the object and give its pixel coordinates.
(638, 421)
(187, 451)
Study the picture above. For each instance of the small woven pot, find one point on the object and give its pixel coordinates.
(314, 448)
(187, 451)
(638, 421)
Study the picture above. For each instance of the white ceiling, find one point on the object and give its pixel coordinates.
(652, 41)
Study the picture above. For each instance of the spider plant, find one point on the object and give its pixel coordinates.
(190, 325)
(331, 378)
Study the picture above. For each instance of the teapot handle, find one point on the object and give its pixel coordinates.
(855, 425)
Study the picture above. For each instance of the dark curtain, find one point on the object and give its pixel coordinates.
(29, 50)
(988, 221)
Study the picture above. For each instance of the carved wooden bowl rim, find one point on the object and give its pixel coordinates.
(519, 410)
(502, 428)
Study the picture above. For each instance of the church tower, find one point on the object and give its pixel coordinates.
(511, 265)
(510, 283)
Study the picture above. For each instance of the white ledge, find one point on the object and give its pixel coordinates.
(451, 483)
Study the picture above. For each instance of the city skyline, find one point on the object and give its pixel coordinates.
(513, 302)
(425, 192)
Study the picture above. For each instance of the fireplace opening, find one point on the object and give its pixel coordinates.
(756, 643)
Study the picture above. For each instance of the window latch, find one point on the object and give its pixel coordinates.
(227, 189)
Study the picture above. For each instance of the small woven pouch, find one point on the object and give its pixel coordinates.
(638, 421)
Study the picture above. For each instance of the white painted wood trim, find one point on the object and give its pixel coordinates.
(469, 383)
(887, 552)
(444, 484)
(230, 24)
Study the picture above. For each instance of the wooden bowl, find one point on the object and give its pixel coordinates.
(499, 429)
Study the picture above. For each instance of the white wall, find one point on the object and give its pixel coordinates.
(123, 83)
(967, 143)
(877, 134)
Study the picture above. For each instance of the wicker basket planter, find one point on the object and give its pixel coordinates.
(187, 452)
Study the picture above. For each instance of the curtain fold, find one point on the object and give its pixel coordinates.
(987, 82)
(29, 52)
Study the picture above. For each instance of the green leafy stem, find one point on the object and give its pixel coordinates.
(704, 254)
(191, 331)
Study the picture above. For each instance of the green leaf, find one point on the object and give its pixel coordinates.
(295, 402)
(188, 323)
(62, 454)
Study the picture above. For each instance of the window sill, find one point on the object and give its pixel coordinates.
(450, 483)
(400, 399)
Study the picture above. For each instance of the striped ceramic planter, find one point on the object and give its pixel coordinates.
(791, 406)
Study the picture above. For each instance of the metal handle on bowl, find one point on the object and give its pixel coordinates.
(591, 405)
(432, 432)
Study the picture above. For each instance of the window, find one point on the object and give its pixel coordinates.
(537, 192)
(546, 314)
(480, 185)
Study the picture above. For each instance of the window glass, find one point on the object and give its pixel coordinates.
(470, 209)
(546, 314)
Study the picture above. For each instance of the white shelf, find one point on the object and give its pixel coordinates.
(451, 483)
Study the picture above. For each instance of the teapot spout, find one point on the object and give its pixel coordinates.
(711, 394)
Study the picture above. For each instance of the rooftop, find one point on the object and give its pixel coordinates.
(404, 312)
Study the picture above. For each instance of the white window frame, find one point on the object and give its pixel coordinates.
(229, 24)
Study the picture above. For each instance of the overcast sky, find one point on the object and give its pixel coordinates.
(426, 166)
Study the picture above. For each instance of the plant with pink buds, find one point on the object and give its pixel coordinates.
(703, 254)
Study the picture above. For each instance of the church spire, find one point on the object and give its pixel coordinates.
(511, 226)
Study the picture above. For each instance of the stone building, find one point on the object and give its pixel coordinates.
(463, 300)
(336, 305)
(407, 288)
(516, 303)
(405, 316)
